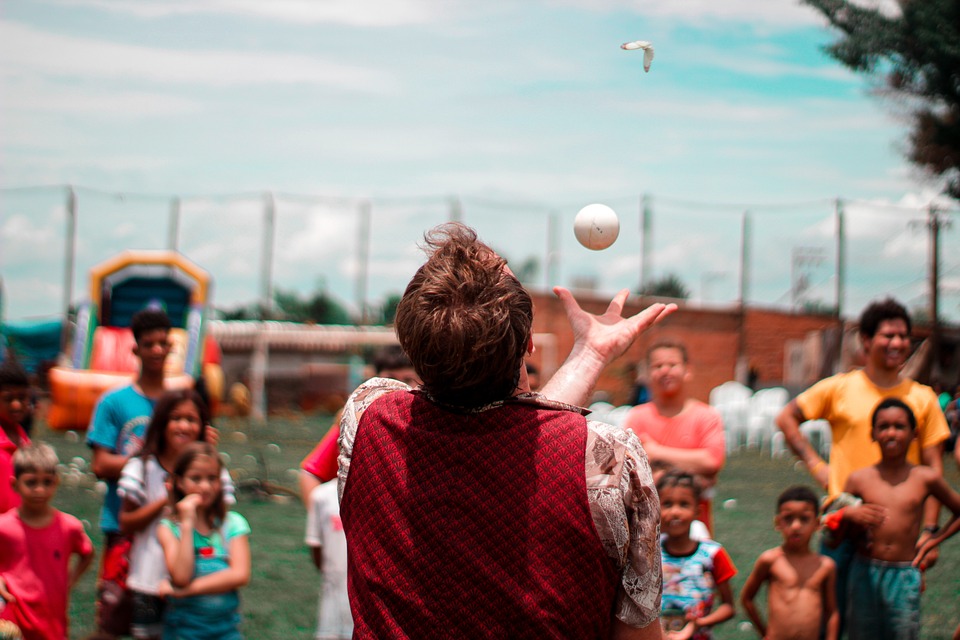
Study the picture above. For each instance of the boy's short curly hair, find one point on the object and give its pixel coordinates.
(390, 357)
(148, 320)
(894, 403)
(464, 320)
(799, 493)
(677, 478)
(877, 312)
(37, 457)
(12, 374)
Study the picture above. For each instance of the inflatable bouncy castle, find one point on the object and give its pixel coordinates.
(102, 348)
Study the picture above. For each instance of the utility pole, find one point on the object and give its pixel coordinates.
(69, 261)
(266, 259)
(646, 239)
(935, 223)
(363, 258)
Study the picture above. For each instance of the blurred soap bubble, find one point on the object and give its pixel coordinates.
(71, 436)
(730, 504)
(238, 436)
(273, 447)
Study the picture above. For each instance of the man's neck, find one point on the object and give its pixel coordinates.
(670, 406)
(150, 384)
(882, 377)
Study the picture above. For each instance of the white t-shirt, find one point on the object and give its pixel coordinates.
(325, 530)
(143, 484)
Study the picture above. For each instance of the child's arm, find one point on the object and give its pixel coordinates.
(866, 515)
(135, 517)
(939, 488)
(81, 566)
(724, 612)
(180, 569)
(107, 465)
(759, 575)
(4, 592)
(178, 554)
(231, 578)
(831, 615)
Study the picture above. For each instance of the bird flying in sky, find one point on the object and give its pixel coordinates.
(647, 51)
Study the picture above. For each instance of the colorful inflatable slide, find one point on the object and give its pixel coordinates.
(102, 349)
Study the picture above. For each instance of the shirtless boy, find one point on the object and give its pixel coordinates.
(801, 596)
(884, 595)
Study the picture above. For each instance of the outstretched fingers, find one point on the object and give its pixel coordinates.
(616, 305)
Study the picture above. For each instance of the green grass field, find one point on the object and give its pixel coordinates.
(281, 600)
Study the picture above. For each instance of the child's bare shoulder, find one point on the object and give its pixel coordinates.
(924, 472)
(768, 557)
(826, 562)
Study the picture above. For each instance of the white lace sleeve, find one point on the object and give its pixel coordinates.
(357, 403)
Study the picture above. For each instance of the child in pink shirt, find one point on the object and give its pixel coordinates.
(36, 545)
(14, 408)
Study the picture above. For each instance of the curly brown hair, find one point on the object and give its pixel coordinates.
(464, 320)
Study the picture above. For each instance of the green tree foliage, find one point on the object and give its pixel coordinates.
(318, 308)
(915, 56)
(669, 286)
(389, 312)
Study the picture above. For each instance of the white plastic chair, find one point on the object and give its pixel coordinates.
(820, 435)
(618, 415)
(765, 405)
(600, 411)
(732, 400)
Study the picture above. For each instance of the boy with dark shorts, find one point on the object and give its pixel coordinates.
(885, 581)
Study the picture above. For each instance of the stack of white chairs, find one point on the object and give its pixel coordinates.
(732, 400)
(820, 436)
(618, 415)
(817, 432)
(765, 406)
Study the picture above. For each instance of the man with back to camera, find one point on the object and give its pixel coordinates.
(847, 401)
(475, 508)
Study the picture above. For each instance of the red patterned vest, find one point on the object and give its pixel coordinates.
(473, 526)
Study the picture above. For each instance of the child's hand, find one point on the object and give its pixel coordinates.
(4, 593)
(187, 508)
(164, 589)
(922, 551)
(212, 435)
(867, 516)
(684, 634)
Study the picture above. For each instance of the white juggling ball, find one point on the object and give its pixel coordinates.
(596, 226)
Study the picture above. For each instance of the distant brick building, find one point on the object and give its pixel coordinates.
(770, 341)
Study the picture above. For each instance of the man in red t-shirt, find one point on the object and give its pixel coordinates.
(675, 428)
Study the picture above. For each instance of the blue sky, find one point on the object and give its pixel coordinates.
(523, 110)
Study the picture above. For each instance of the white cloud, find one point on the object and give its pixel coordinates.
(25, 51)
(778, 13)
(347, 12)
(34, 95)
